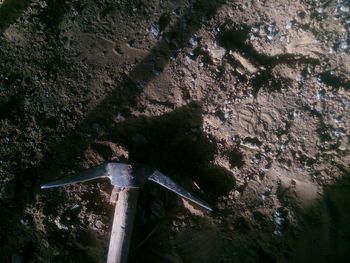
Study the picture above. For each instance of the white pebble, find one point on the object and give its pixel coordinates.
(344, 46)
(289, 25)
(344, 9)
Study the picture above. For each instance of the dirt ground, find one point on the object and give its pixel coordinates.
(244, 103)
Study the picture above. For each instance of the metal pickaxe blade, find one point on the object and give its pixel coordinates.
(127, 179)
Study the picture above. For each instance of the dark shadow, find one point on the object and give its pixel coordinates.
(320, 233)
(324, 234)
(10, 11)
(201, 243)
(330, 79)
(175, 145)
(234, 37)
(53, 14)
(235, 157)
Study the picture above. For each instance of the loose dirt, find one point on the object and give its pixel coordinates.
(244, 103)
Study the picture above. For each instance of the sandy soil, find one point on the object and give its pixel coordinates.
(244, 103)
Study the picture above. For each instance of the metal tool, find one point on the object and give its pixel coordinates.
(127, 179)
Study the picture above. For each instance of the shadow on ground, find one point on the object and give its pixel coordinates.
(234, 38)
(10, 10)
(324, 234)
(320, 231)
(175, 145)
(321, 234)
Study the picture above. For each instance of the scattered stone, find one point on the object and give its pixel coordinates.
(154, 29)
(194, 41)
(97, 225)
(216, 53)
(76, 206)
(25, 223)
(283, 39)
(270, 37)
(320, 10)
(245, 63)
(255, 30)
(343, 46)
(60, 225)
(344, 9)
(289, 25)
(280, 221)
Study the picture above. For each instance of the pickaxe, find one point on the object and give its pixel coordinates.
(127, 179)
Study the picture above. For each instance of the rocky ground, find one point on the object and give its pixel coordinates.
(244, 103)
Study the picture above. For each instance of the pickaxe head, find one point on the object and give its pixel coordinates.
(127, 176)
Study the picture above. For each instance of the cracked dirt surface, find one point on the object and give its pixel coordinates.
(244, 103)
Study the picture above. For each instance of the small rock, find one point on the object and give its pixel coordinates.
(271, 29)
(343, 46)
(43, 4)
(254, 30)
(270, 37)
(76, 206)
(268, 190)
(194, 41)
(244, 62)
(344, 9)
(280, 221)
(217, 53)
(188, 60)
(289, 25)
(60, 225)
(320, 10)
(282, 39)
(154, 29)
(97, 225)
(25, 223)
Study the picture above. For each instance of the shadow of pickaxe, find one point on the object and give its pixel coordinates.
(127, 179)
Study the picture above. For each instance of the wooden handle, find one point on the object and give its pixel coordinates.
(123, 221)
